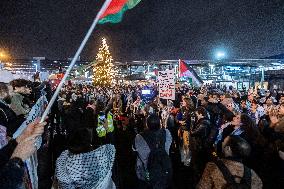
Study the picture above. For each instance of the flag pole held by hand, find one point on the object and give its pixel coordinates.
(83, 43)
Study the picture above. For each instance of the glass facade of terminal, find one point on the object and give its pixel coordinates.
(238, 72)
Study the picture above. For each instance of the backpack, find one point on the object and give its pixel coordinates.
(212, 135)
(159, 166)
(245, 182)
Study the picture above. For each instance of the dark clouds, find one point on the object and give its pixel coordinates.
(154, 30)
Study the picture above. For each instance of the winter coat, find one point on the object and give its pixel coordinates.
(12, 174)
(185, 115)
(215, 112)
(212, 177)
(9, 119)
(6, 152)
(143, 150)
(199, 133)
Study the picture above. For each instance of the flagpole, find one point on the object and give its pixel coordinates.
(83, 43)
(179, 68)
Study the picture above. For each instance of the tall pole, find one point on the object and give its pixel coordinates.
(35, 67)
(77, 54)
(178, 68)
(262, 77)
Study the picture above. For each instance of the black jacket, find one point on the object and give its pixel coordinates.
(11, 175)
(216, 113)
(9, 119)
(199, 134)
(201, 128)
(6, 152)
(186, 116)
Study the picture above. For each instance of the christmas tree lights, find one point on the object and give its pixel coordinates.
(103, 68)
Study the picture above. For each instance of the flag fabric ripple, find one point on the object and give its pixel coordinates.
(116, 10)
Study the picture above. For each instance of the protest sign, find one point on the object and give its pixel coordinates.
(166, 84)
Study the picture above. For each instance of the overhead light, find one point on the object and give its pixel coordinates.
(220, 55)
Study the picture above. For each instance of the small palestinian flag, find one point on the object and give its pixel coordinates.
(186, 71)
(116, 9)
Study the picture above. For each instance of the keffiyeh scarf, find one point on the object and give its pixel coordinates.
(3, 136)
(91, 170)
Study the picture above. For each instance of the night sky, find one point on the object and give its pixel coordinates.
(154, 30)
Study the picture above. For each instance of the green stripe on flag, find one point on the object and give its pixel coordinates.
(132, 3)
(116, 18)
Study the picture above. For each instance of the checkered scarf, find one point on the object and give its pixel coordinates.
(91, 170)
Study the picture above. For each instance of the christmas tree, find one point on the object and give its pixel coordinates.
(103, 68)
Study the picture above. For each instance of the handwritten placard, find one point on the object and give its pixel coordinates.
(166, 84)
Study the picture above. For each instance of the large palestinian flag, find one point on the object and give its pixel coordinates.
(116, 9)
(186, 71)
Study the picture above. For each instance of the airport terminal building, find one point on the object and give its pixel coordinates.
(241, 73)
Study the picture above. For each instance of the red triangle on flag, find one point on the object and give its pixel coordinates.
(183, 68)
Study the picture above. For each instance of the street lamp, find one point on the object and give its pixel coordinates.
(2, 56)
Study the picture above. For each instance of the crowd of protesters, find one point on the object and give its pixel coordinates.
(96, 137)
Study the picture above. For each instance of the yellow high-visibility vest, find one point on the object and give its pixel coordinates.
(101, 130)
(110, 123)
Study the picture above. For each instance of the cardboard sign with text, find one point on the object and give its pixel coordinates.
(166, 84)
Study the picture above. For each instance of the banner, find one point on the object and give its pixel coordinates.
(166, 84)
